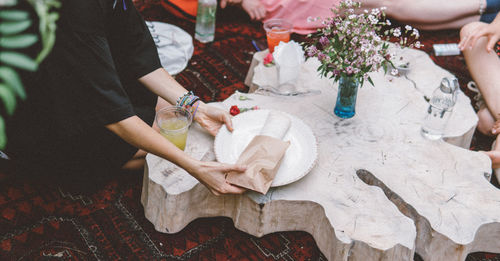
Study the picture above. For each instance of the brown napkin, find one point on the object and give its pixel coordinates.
(263, 155)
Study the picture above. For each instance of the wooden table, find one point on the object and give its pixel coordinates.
(379, 190)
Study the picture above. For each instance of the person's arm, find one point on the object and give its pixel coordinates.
(254, 8)
(492, 31)
(212, 174)
(162, 84)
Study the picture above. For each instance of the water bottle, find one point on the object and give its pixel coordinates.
(205, 21)
(440, 108)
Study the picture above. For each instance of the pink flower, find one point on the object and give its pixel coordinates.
(321, 56)
(324, 40)
(268, 60)
(312, 51)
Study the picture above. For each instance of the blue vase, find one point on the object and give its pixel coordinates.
(346, 97)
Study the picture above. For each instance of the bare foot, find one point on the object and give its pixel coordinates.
(495, 158)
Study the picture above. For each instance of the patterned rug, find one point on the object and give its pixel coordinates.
(41, 221)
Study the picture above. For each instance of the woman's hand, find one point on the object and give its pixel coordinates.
(491, 31)
(213, 176)
(496, 128)
(212, 118)
(223, 3)
(254, 8)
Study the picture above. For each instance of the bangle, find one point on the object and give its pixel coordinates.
(195, 109)
(482, 7)
(187, 101)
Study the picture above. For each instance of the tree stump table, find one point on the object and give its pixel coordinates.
(379, 190)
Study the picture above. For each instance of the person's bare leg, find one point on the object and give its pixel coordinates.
(453, 24)
(137, 162)
(427, 11)
(483, 67)
(486, 121)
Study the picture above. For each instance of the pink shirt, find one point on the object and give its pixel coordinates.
(305, 15)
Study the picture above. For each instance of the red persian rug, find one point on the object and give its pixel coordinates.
(41, 221)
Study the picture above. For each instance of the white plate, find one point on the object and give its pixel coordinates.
(299, 159)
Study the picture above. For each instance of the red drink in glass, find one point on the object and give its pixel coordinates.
(277, 30)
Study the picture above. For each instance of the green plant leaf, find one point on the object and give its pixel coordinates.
(18, 41)
(370, 80)
(3, 137)
(18, 60)
(16, 27)
(8, 98)
(12, 79)
(14, 15)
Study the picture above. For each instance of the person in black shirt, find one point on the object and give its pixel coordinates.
(92, 101)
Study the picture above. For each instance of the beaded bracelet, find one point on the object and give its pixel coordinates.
(187, 101)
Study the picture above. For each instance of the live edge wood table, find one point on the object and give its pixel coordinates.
(379, 191)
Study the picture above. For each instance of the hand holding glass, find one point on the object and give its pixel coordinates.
(174, 124)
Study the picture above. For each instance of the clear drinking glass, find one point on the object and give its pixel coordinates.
(277, 30)
(174, 123)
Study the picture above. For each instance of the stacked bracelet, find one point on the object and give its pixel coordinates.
(188, 100)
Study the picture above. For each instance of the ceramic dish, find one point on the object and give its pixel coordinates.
(298, 160)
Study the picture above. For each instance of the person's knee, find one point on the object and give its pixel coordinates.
(468, 28)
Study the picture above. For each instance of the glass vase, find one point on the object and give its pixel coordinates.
(346, 97)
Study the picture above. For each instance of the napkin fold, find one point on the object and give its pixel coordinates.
(289, 58)
(263, 155)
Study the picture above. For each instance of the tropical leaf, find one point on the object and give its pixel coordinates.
(12, 79)
(3, 136)
(14, 15)
(8, 98)
(15, 27)
(18, 60)
(18, 41)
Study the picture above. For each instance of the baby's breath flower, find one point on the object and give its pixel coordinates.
(352, 44)
(397, 32)
(415, 33)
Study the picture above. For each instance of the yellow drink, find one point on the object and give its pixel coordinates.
(175, 130)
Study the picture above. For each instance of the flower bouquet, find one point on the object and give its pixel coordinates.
(353, 43)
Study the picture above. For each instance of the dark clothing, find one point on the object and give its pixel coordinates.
(89, 80)
(491, 11)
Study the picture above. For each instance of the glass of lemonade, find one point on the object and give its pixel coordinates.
(174, 124)
(277, 30)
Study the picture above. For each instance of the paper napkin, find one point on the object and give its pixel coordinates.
(263, 155)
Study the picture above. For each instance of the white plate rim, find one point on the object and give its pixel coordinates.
(312, 164)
